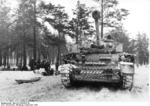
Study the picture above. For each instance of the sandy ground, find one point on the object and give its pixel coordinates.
(49, 88)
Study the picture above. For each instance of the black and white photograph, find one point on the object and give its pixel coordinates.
(74, 51)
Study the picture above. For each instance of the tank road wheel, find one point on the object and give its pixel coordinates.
(67, 76)
(66, 81)
(127, 81)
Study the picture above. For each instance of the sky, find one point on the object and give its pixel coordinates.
(138, 21)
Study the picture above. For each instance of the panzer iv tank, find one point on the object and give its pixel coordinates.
(99, 63)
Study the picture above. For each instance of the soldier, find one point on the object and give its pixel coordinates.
(109, 37)
(32, 64)
(42, 64)
(38, 64)
(47, 66)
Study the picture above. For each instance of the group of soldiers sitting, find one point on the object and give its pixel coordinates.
(36, 65)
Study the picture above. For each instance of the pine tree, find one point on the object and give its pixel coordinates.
(59, 21)
(80, 26)
(4, 33)
(24, 28)
(111, 16)
(142, 49)
(120, 35)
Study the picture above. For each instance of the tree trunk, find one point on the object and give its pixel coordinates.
(34, 33)
(58, 55)
(24, 52)
(58, 59)
(0, 57)
(102, 27)
(39, 54)
(17, 57)
(53, 54)
(24, 57)
(50, 54)
(7, 59)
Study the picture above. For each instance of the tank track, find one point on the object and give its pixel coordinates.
(66, 77)
(66, 82)
(127, 81)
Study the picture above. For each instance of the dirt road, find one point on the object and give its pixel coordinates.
(50, 89)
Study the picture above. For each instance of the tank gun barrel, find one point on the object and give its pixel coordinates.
(96, 16)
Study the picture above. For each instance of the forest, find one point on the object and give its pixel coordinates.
(38, 30)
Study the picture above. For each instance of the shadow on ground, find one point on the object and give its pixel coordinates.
(96, 86)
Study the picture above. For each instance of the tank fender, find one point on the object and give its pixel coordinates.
(127, 67)
(66, 68)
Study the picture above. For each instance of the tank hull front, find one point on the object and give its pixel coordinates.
(90, 78)
(97, 75)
